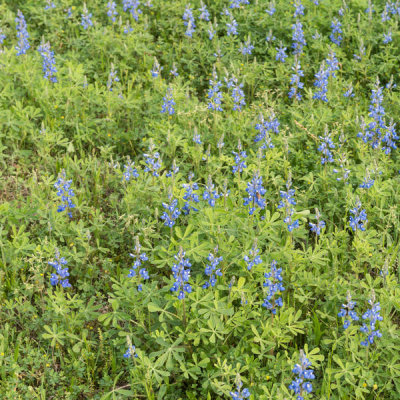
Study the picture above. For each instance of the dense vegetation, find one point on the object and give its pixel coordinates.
(199, 200)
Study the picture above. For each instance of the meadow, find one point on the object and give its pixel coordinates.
(199, 200)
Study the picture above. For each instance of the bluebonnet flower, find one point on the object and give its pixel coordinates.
(240, 157)
(298, 38)
(112, 78)
(181, 273)
(2, 36)
(299, 8)
(273, 281)
(189, 21)
(297, 85)
(204, 14)
(210, 193)
(286, 203)
(281, 54)
(239, 394)
(86, 17)
(22, 34)
(389, 138)
(246, 48)
(332, 63)
(252, 258)
(131, 352)
(316, 228)
(361, 50)
(367, 182)
(212, 270)
(111, 10)
(321, 82)
(139, 257)
(49, 63)
(237, 3)
(387, 37)
(349, 91)
(156, 71)
(231, 27)
(237, 93)
(196, 137)
(127, 28)
(190, 194)
(384, 272)
(214, 94)
(152, 160)
(301, 384)
(129, 171)
(218, 53)
(207, 153)
(347, 312)
(316, 35)
(69, 12)
(168, 105)
(335, 35)
(265, 126)
(133, 7)
(221, 143)
(174, 70)
(171, 212)
(225, 191)
(65, 193)
(50, 4)
(270, 37)
(370, 8)
(173, 171)
(255, 191)
(324, 148)
(272, 9)
(226, 12)
(373, 316)
(212, 30)
(61, 275)
(359, 217)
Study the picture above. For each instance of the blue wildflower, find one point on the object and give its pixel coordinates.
(237, 93)
(197, 137)
(112, 78)
(299, 8)
(50, 4)
(273, 283)
(173, 171)
(373, 316)
(387, 37)
(210, 194)
(347, 312)
(281, 54)
(22, 34)
(139, 258)
(214, 94)
(316, 228)
(111, 10)
(156, 71)
(335, 35)
(204, 14)
(49, 63)
(168, 105)
(231, 27)
(359, 217)
(174, 70)
(65, 193)
(255, 191)
(86, 17)
(239, 394)
(286, 203)
(298, 38)
(272, 9)
(301, 384)
(2, 36)
(152, 160)
(129, 171)
(181, 273)
(265, 126)
(212, 30)
(61, 275)
(238, 3)
(246, 48)
(171, 212)
(131, 352)
(252, 258)
(133, 7)
(297, 85)
(240, 157)
(190, 194)
(127, 28)
(349, 91)
(324, 148)
(212, 270)
(189, 21)
(321, 82)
